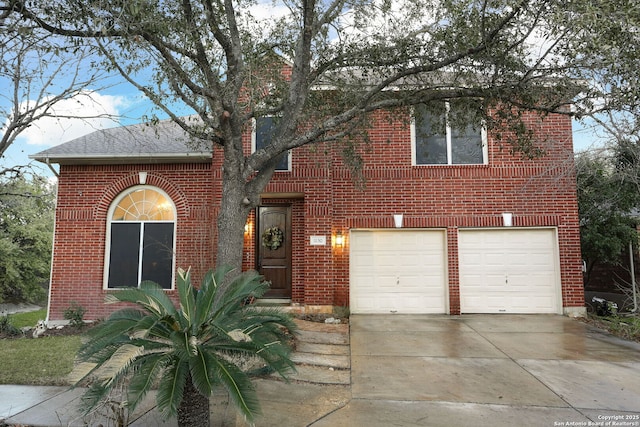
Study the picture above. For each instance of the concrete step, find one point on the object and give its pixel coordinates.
(322, 353)
(323, 337)
(304, 325)
(321, 375)
(307, 347)
(328, 360)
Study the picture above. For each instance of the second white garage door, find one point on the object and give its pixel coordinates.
(397, 271)
(509, 271)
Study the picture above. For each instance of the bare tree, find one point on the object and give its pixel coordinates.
(37, 73)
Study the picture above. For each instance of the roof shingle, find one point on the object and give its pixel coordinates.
(139, 143)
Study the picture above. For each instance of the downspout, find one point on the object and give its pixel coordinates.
(633, 279)
(53, 248)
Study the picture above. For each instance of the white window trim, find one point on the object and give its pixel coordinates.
(483, 135)
(253, 146)
(112, 208)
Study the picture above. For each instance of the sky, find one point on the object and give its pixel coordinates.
(48, 132)
(119, 100)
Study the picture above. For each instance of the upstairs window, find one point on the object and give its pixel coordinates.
(435, 141)
(263, 130)
(140, 242)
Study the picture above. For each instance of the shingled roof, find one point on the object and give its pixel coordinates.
(164, 142)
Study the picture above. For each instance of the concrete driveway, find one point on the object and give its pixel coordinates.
(488, 370)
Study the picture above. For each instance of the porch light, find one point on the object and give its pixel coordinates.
(246, 228)
(339, 239)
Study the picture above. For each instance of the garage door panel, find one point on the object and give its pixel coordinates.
(513, 271)
(490, 259)
(508, 304)
(526, 302)
(400, 303)
(397, 271)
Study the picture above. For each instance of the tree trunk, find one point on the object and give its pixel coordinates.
(240, 194)
(231, 220)
(232, 217)
(234, 204)
(194, 408)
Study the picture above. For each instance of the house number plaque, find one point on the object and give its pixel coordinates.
(318, 240)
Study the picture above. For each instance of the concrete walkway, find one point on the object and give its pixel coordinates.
(423, 370)
(488, 370)
(293, 404)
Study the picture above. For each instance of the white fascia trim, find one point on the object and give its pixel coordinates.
(126, 158)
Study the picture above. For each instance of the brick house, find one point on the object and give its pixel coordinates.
(446, 223)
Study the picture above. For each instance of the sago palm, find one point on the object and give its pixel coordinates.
(185, 351)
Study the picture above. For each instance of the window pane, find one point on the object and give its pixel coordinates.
(157, 253)
(466, 146)
(265, 126)
(143, 204)
(431, 145)
(123, 257)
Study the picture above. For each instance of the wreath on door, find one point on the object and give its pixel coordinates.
(272, 238)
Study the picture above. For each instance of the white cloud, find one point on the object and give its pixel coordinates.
(268, 11)
(83, 114)
(262, 17)
(383, 20)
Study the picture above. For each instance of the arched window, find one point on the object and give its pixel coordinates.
(141, 239)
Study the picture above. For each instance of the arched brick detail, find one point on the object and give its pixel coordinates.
(153, 179)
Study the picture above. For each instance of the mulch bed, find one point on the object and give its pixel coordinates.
(62, 332)
(320, 317)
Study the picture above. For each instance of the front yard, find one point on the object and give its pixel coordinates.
(43, 361)
(48, 360)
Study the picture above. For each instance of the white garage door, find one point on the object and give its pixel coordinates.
(509, 271)
(397, 271)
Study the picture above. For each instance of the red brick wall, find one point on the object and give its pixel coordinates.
(84, 196)
(538, 192)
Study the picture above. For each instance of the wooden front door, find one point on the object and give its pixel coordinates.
(274, 249)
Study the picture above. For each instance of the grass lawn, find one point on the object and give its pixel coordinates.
(625, 327)
(21, 320)
(39, 361)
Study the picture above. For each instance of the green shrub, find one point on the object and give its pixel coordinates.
(341, 312)
(6, 327)
(185, 351)
(75, 315)
(623, 326)
(626, 327)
